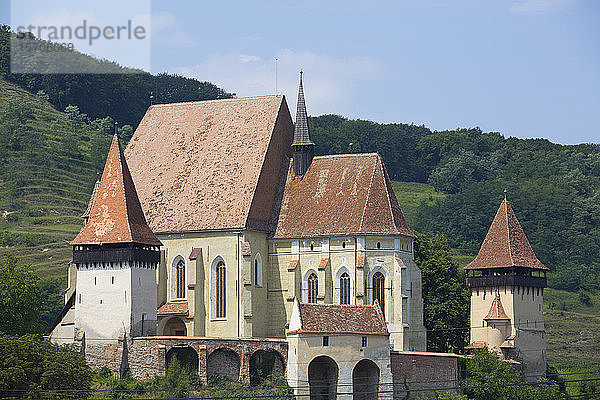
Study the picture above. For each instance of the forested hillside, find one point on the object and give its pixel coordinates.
(554, 189)
(123, 95)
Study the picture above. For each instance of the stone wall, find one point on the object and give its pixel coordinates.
(423, 374)
(146, 357)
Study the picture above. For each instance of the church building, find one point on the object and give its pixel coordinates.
(245, 237)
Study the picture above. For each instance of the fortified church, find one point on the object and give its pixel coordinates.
(218, 232)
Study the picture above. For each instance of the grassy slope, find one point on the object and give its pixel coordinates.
(573, 328)
(52, 199)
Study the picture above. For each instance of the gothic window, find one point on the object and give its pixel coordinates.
(345, 288)
(379, 289)
(220, 290)
(258, 270)
(180, 279)
(313, 288)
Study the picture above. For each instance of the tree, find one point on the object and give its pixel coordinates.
(488, 378)
(19, 298)
(32, 367)
(52, 301)
(445, 296)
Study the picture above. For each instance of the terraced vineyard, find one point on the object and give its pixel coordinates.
(44, 187)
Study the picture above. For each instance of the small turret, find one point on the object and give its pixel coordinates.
(303, 148)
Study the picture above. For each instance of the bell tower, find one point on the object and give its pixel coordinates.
(507, 284)
(116, 255)
(303, 148)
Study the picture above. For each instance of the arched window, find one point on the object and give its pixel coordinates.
(313, 288)
(180, 279)
(345, 288)
(258, 270)
(379, 289)
(220, 290)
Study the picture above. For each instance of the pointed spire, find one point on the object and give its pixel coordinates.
(301, 132)
(497, 309)
(303, 147)
(116, 215)
(506, 244)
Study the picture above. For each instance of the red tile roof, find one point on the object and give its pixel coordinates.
(339, 318)
(476, 345)
(210, 165)
(173, 308)
(496, 310)
(341, 195)
(196, 251)
(116, 215)
(505, 244)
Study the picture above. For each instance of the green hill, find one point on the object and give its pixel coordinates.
(46, 174)
(123, 94)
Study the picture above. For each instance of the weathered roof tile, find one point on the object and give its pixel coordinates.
(341, 318)
(341, 195)
(116, 215)
(211, 165)
(505, 244)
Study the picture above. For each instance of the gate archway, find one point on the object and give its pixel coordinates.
(365, 380)
(265, 363)
(186, 356)
(223, 362)
(323, 378)
(174, 327)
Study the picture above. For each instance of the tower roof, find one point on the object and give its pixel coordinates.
(116, 215)
(505, 244)
(342, 194)
(496, 310)
(301, 133)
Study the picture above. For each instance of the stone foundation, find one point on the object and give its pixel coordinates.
(146, 357)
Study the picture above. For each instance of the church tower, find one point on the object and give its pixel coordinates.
(116, 255)
(507, 284)
(303, 148)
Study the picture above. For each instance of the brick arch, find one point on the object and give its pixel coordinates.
(224, 361)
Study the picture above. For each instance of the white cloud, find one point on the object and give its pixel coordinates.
(330, 82)
(540, 6)
(167, 30)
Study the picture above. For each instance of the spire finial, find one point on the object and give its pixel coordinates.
(302, 146)
(116, 128)
(505, 192)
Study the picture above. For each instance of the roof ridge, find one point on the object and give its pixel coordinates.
(347, 155)
(161, 105)
(512, 261)
(362, 218)
(387, 193)
(121, 160)
(264, 159)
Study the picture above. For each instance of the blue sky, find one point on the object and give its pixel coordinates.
(525, 68)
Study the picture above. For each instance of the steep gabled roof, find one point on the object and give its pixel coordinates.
(505, 244)
(211, 165)
(496, 309)
(341, 195)
(116, 215)
(339, 318)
